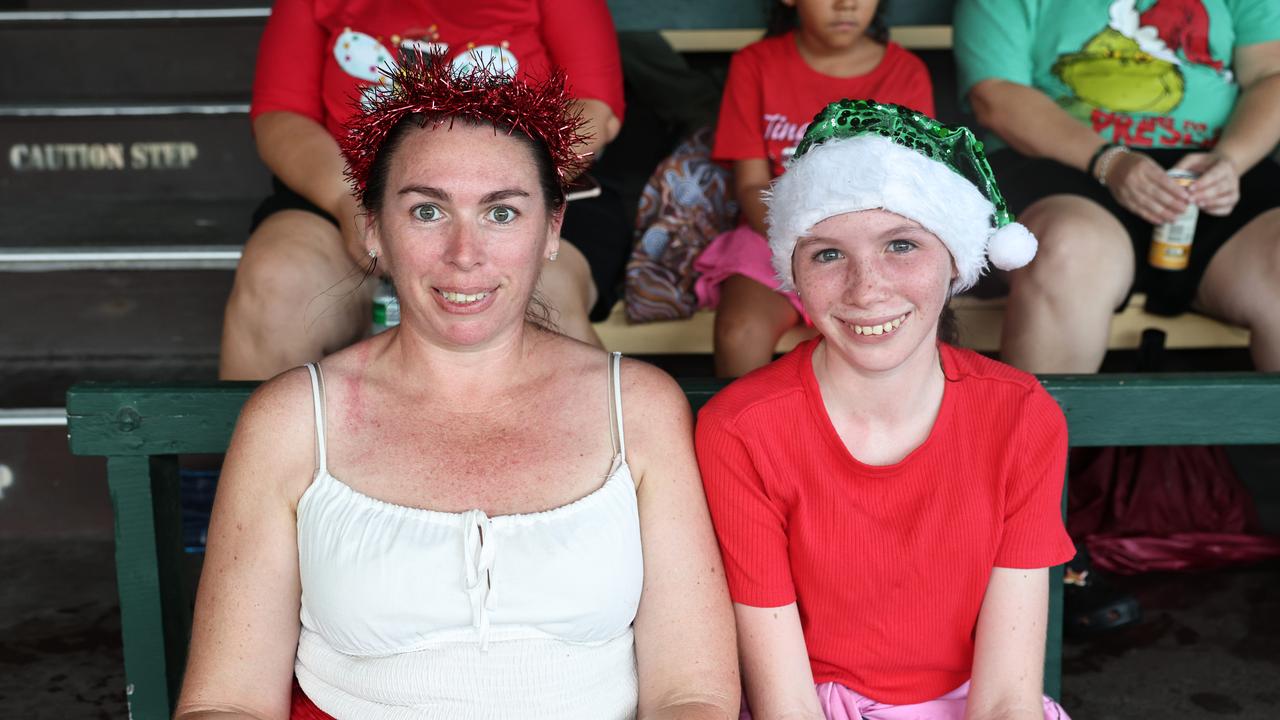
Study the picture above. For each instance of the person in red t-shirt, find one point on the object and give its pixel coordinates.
(817, 52)
(887, 504)
(299, 291)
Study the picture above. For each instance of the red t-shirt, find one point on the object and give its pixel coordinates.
(772, 94)
(316, 56)
(887, 564)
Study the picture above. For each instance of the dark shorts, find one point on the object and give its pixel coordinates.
(1024, 180)
(282, 197)
(598, 227)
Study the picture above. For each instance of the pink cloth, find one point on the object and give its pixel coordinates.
(741, 251)
(840, 703)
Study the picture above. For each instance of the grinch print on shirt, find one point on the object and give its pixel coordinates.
(1133, 80)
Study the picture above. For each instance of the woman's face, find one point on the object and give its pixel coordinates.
(465, 230)
(874, 284)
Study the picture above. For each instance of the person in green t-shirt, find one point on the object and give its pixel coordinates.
(1089, 103)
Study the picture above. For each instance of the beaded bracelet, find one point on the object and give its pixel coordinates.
(1104, 162)
(1093, 161)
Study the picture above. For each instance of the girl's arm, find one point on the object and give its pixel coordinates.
(684, 627)
(244, 637)
(601, 127)
(750, 178)
(1008, 658)
(775, 664)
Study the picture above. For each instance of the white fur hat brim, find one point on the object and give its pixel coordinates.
(872, 172)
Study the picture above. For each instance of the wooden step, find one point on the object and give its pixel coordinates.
(64, 156)
(176, 55)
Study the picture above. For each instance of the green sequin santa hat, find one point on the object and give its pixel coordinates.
(862, 155)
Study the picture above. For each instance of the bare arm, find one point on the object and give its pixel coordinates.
(602, 126)
(775, 664)
(1032, 123)
(245, 634)
(1254, 128)
(684, 627)
(1249, 136)
(300, 152)
(750, 178)
(1008, 658)
(1035, 126)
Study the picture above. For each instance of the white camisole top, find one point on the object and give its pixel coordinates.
(409, 613)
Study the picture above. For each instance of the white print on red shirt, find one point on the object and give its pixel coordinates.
(777, 128)
(365, 58)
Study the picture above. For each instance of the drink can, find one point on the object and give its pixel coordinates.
(386, 307)
(1171, 242)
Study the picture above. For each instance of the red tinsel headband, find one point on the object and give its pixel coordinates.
(425, 84)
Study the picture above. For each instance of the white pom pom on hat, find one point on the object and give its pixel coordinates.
(1011, 247)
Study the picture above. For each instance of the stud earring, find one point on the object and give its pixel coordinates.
(373, 254)
(554, 254)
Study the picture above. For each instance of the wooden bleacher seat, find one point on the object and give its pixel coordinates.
(979, 322)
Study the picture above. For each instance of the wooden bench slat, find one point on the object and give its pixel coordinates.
(980, 322)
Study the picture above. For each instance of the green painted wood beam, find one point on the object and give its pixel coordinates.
(138, 579)
(1185, 409)
(143, 419)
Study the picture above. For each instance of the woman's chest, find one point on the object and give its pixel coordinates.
(511, 460)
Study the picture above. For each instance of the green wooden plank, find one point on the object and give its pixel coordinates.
(1184, 409)
(175, 593)
(1199, 409)
(138, 579)
(159, 419)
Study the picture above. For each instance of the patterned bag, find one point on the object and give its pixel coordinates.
(687, 202)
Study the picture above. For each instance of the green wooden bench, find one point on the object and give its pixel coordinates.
(142, 429)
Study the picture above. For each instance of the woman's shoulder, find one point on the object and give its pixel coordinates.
(276, 430)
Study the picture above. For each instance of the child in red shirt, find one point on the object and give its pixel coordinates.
(824, 52)
(887, 504)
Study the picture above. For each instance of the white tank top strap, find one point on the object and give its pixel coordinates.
(317, 399)
(615, 383)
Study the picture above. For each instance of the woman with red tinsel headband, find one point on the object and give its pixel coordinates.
(467, 515)
(298, 293)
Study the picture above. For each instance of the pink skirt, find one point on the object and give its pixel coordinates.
(840, 703)
(741, 251)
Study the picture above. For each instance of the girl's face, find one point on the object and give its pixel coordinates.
(465, 230)
(874, 284)
(835, 24)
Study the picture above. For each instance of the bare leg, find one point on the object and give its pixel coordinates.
(567, 288)
(297, 297)
(749, 320)
(1242, 286)
(1058, 317)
